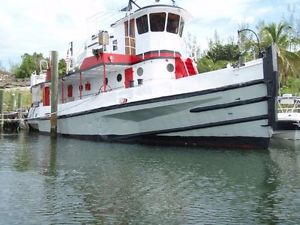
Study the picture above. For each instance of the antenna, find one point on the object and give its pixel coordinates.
(129, 6)
(173, 1)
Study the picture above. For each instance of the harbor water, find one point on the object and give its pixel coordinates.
(69, 181)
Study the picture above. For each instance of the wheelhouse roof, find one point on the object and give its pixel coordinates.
(156, 8)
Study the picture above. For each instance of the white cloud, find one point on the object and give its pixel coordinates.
(41, 26)
(225, 17)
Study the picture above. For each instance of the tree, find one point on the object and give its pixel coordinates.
(193, 47)
(218, 55)
(278, 34)
(225, 52)
(37, 57)
(27, 66)
(31, 63)
(292, 86)
(205, 64)
(62, 67)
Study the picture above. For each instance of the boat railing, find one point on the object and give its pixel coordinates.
(289, 104)
(289, 110)
(83, 96)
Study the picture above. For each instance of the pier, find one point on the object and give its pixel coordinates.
(12, 113)
(11, 122)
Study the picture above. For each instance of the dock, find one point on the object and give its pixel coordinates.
(12, 122)
(14, 104)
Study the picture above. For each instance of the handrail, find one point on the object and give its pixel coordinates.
(185, 67)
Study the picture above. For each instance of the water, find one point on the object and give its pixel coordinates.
(82, 182)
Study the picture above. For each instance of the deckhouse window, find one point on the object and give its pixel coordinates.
(87, 86)
(173, 23)
(142, 24)
(157, 21)
(70, 91)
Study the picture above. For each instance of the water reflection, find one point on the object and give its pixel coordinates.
(80, 182)
(49, 158)
(22, 154)
(151, 185)
(285, 155)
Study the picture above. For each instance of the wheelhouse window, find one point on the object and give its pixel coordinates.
(181, 27)
(173, 23)
(142, 24)
(157, 21)
(129, 30)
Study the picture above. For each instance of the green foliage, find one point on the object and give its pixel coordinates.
(288, 60)
(224, 52)
(62, 67)
(205, 64)
(26, 68)
(11, 99)
(29, 64)
(286, 42)
(292, 86)
(218, 55)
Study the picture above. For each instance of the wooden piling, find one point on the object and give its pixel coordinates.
(54, 92)
(19, 102)
(13, 101)
(1, 109)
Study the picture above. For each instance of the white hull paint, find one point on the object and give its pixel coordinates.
(237, 109)
(161, 116)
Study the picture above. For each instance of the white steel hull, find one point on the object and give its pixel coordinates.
(225, 108)
(227, 114)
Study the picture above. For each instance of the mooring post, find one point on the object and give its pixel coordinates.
(19, 102)
(13, 101)
(54, 92)
(1, 110)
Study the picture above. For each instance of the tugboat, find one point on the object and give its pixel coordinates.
(135, 83)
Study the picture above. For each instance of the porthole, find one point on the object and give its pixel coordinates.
(140, 71)
(119, 77)
(170, 67)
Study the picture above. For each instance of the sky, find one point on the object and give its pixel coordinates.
(42, 26)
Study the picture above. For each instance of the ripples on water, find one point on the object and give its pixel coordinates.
(82, 182)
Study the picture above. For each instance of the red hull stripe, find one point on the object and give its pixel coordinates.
(108, 58)
(120, 59)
